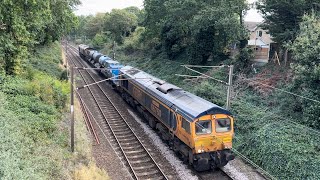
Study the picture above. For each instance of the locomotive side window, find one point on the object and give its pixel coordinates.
(223, 125)
(186, 125)
(125, 83)
(203, 127)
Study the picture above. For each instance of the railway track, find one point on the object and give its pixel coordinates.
(137, 158)
(77, 61)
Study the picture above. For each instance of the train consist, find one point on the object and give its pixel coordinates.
(200, 131)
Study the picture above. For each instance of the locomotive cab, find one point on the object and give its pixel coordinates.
(212, 141)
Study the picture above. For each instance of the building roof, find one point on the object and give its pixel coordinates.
(251, 26)
(257, 42)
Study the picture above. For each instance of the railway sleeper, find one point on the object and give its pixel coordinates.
(136, 151)
(121, 130)
(140, 161)
(131, 143)
(149, 173)
(130, 139)
(144, 167)
(138, 156)
(130, 147)
(120, 137)
(122, 133)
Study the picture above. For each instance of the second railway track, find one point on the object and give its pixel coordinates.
(139, 161)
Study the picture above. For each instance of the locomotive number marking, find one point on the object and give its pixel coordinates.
(137, 93)
(155, 108)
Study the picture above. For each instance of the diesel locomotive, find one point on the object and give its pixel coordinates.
(198, 130)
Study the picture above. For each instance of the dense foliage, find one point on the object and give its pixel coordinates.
(34, 93)
(200, 29)
(306, 50)
(120, 23)
(33, 143)
(282, 17)
(195, 31)
(106, 28)
(27, 23)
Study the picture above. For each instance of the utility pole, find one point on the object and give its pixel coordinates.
(66, 58)
(72, 110)
(114, 50)
(229, 86)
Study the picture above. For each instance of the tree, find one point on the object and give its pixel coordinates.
(120, 23)
(94, 25)
(282, 17)
(62, 19)
(200, 29)
(306, 50)
(27, 23)
(137, 12)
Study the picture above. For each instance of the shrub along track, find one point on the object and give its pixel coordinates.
(112, 115)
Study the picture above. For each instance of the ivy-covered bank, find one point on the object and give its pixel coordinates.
(34, 122)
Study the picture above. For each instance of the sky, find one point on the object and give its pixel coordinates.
(95, 6)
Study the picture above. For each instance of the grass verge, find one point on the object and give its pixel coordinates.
(34, 133)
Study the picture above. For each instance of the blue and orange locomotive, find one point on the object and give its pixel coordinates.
(200, 131)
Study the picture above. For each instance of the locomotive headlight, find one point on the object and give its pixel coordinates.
(201, 150)
(227, 146)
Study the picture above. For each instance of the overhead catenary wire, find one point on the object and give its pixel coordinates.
(182, 75)
(205, 75)
(253, 164)
(298, 124)
(278, 89)
(198, 66)
(285, 120)
(97, 82)
(266, 85)
(248, 160)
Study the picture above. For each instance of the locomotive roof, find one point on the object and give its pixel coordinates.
(188, 105)
(83, 46)
(112, 61)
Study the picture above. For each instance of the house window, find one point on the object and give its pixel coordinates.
(186, 125)
(259, 33)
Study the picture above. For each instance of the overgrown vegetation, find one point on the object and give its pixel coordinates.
(278, 130)
(34, 93)
(26, 24)
(33, 134)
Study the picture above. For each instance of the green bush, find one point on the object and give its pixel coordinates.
(33, 144)
(27, 149)
(47, 59)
